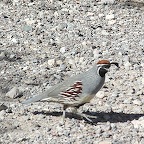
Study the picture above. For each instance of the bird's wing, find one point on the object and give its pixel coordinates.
(72, 93)
(65, 91)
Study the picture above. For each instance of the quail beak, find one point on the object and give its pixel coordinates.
(115, 63)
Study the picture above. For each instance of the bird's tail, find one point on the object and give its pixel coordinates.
(35, 98)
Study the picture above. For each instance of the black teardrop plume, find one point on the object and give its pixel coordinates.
(115, 63)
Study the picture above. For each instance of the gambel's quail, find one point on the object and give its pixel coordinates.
(77, 90)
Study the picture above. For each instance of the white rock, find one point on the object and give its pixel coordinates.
(100, 94)
(14, 40)
(120, 54)
(41, 14)
(2, 113)
(2, 55)
(104, 43)
(105, 142)
(59, 62)
(90, 13)
(56, 14)
(104, 32)
(127, 65)
(101, 15)
(58, 40)
(138, 123)
(51, 62)
(76, 59)
(62, 50)
(92, 18)
(95, 53)
(25, 68)
(13, 93)
(81, 59)
(107, 79)
(62, 67)
(110, 16)
(107, 1)
(111, 22)
(126, 58)
(29, 21)
(137, 102)
(84, 43)
(100, 103)
(127, 101)
(15, 2)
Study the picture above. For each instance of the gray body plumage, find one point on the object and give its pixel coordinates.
(91, 84)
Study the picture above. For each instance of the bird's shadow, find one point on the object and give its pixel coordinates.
(112, 117)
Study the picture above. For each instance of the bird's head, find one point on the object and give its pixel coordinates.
(104, 65)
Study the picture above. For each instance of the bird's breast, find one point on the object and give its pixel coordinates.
(92, 88)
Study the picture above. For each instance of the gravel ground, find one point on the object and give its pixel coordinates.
(44, 42)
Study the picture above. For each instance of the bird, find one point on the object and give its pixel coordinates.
(77, 90)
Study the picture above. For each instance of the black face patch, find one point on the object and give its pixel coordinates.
(102, 72)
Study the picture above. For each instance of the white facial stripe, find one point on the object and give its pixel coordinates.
(98, 70)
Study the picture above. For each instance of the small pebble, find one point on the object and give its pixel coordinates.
(100, 94)
(109, 17)
(137, 102)
(51, 62)
(62, 67)
(13, 93)
(105, 142)
(2, 113)
(104, 32)
(63, 50)
(111, 22)
(95, 53)
(2, 55)
(127, 65)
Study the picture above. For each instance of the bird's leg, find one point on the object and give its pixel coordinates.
(84, 116)
(64, 113)
(75, 110)
(81, 114)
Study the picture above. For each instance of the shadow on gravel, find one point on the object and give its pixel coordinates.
(132, 4)
(112, 117)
